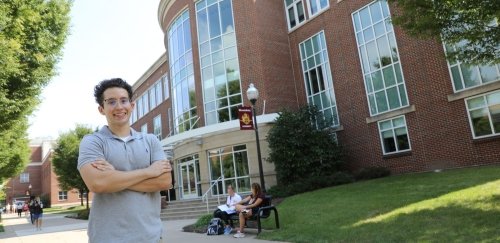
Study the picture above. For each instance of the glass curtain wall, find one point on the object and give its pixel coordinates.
(230, 163)
(181, 74)
(220, 72)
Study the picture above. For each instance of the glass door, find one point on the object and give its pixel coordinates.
(188, 179)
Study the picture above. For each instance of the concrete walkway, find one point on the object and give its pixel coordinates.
(58, 229)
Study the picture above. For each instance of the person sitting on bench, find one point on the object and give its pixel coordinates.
(225, 211)
(248, 207)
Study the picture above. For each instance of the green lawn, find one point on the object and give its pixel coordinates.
(461, 205)
(63, 210)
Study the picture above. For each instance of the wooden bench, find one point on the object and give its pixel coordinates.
(263, 213)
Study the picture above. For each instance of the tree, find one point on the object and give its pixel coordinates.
(470, 26)
(32, 34)
(302, 146)
(65, 160)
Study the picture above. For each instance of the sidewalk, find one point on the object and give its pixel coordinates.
(58, 229)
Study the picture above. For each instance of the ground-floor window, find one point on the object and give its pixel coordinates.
(63, 195)
(484, 114)
(231, 164)
(394, 135)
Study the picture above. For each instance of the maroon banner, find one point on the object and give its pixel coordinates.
(245, 117)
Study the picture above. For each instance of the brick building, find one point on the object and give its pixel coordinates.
(393, 101)
(39, 179)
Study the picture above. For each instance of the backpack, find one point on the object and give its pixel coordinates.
(215, 227)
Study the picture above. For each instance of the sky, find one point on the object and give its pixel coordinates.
(108, 39)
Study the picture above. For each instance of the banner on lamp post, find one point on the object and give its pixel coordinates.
(246, 117)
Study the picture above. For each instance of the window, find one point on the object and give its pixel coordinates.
(232, 163)
(24, 178)
(133, 118)
(484, 114)
(182, 74)
(465, 76)
(220, 71)
(394, 135)
(315, 6)
(294, 12)
(166, 90)
(384, 82)
(169, 114)
(145, 103)
(140, 108)
(158, 91)
(152, 97)
(144, 128)
(318, 78)
(63, 195)
(157, 127)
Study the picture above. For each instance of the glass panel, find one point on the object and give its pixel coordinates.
(230, 52)
(368, 34)
(229, 40)
(357, 24)
(215, 167)
(205, 48)
(398, 122)
(384, 51)
(488, 73)
(300, 12)
(378, 83)
(480, 122)
(376, 12)
(402, 95)
(226, 16)
(373, 57)
(476, 103)
(388, 141)
(291, 17)
(365, 18)
(243, 185)
(373, 107)
(493, 98)
(368, 83)
(202, 26)
(379, 29)
(228, 166)
(399, 75)
(495, 117)
(470, 75)
(314, 6)
(381, 101)
(457, 80)
(241, 162)
(402, 139)
(385, 125)
(213, 20)
(393, 97)
(389, 78)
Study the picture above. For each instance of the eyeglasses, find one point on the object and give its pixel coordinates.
(113, 102)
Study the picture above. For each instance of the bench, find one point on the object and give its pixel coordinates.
(263, 213)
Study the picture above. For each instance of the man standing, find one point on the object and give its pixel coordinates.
(125, 170)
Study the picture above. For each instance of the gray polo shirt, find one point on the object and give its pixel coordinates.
(124, 216)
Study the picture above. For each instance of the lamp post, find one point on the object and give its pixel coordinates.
(253, 95)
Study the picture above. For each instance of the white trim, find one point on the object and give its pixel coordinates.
(394, 135)
(493, 134)
(194, 134)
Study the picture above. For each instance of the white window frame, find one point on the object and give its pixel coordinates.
(63, 196)
(393, 128)
(296, 13)
(320, 10)
(328, 82)
(144, 128)
(157, 127)
(158, 92)
(485, 107)
(140, 108)
(368, 71)
(152, 97)
(24, 178)
(166, 87)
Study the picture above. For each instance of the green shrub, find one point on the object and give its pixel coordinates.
(203, 221)
(372, 173)
(83, 214)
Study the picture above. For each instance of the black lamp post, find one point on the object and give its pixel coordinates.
(253, 95)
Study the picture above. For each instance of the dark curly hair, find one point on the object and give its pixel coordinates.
(110, 83)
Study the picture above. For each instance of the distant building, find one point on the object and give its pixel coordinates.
(394, 101)
(39, 179)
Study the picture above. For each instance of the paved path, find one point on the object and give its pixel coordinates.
(58, 229)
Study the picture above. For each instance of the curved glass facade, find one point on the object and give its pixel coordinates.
(180, 58)
(220, 72)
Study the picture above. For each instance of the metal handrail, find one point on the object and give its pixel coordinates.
(205, 195)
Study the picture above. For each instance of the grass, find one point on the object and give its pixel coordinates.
(63, 210)
(461, 205)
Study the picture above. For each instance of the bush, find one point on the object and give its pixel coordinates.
(83, 214)
(310, 184)
(372, 173)
(200, 226)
